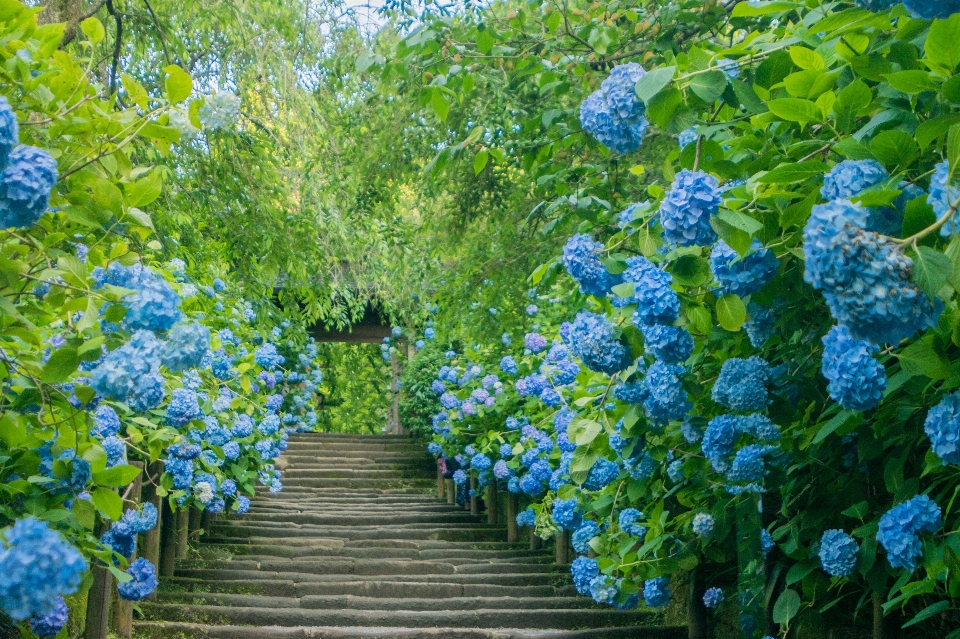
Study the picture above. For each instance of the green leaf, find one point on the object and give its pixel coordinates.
(831, 426)
(116, 476)
(654, 82)
(84, 513)
(583, 460)
(94, 30)
(795, 110)
(787, 607)
(857, 511)
(62, 364)
(108, 503)
(942, 52)
(440, 104)
(480, 161)
(700, 319)
(951, 89)
(485, 41)
(933, 129)
(931, 270)
(747, 96)
(367, 59)
(919, 359)
(146, 190)
(953, 150)
(911, 82)
(739, 220)
(762, 8)
(627, 289)
(929, 611)
(894, 148)
(662, 106)
(709, 85)
(791, 172)
(179, 84)
(582, 432)
(731, 313)
(806, 58)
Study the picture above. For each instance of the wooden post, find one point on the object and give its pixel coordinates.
(196, 519)
(395, 427)
(512, 505)
(562, 542)
(123, 609)
(451, 491)
(698, 623)
(206, 518)
(493, 509)
(150, 546)
(183, 532)
(169, 523)
(474, 501)
(441, 486)
(98, 597)
(535, 541)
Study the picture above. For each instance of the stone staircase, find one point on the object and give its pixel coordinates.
(358, 545)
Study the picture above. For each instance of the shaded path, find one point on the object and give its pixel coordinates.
(358, 546)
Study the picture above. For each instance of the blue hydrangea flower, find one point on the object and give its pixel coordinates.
(459, 477)
(268, 357)
(669, 344)
(930, 9)
(666, 400)
(535, 342)
(675, 471)
(550, 397)
(855, 379)
(25, 186)
(243, 504)
(748, 465)
(601, 474)
(142, 583)
(501, 470)
(656, 592)
(37, 567)
(155, 306)
(527, 517)
(186, 347)
(9, 130)
(838, 553)
(766, 542)
(592, 339)
(688, 136)
(942, 426)
(116, 450)
(628, 522)
(630, 392)
(703, 524)
(878, 5)
(480, 462)
(742, 276)
(106, 422)
(231, 451)
(742, 384)
(865, 277)
(49, 625)
(685, 212)
(850, 177)
(901, 526)
(584, 570)
(759, 326)
(713, 597)
(729, 67)
(583, 535)
(581, 262)
(656, 302)
(612, 114)
(565, 514)
(183, 407)
(943, 197)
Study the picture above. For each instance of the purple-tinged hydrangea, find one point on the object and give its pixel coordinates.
(565, 514)
(268, 357)
(612, 114)
(666, 400)
(742, 275)
(942, 426)
(900, 529)
(865, 277)
(628, 522)
(592, 339)
(930, 9)
(685, 212)
(669, 344)
(185, 347)
(449, 401)
(501, 470)
(855, 379)
(49, 625)
(656, 302)
(742, 384)
(37, 567)
(438, 387)
(25, 186)
(838, 553)
(601, 474)
(703, 524)
(584, 570)
(713, 597)
(656, 592)
(142, 583)
(540, 471)
(581, 262)
(508, 365)
(850, 177)
(531, 310)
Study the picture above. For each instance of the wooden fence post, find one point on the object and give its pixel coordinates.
(512, 505)
(441, 486)
(150, 548)
(123, 609)
(168, 539)
(474, 501)
(562, 549)
(493, 510)
(183, 532)
(98, 597)
(535, 541)
(451, 491)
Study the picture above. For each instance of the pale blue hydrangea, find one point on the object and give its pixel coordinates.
(627, 520)
(688, 136)
(183, 407)
(155, 306)
(850, 177)
(746, 275)
(37, 567)
(185, 347)
(669, 344)
(748, 464)
(943, 199)
(656, 302)
(742, 384)
(703, 524)
(900, 529)
(268, 357)
(9, 130)
(501, 470)
(243, 504)
(584, 570)
(675, 471)
(592, 339)
(685, 212)
(116, 450)
(219, 110)
(656, 592)
(838, 553)
(942, 426)
(759, 327)
(581, 262)
(666, 400)
(855, 379)
(865, 278)
(613, 114)
(129, 374)
(25, 186)
(713, 597)
(106, 422)
(527, 517)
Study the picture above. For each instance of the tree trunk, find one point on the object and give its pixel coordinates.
(69, 11)
(150, 548)
(698, 623)
(451, 491)
(441, 487)
(183, 533)
(474, 501)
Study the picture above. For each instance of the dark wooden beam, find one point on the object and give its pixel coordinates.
(370, 329)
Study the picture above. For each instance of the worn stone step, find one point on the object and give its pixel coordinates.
(402, 531)
(358, 482)
(348, 473)
(180, 630)
(480, 618)
(285, 550)
(377, 567)
(376, 603)
(300, 454)
(524, 579)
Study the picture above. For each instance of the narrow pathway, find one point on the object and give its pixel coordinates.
(357, 545)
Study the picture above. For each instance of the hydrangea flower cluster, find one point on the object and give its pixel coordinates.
(713, 597)
(220, 110)
(865, 278)
(900, 529)
(27, 177)
(742, 384)
(855, 379)
(656, 302)
(656, 592)
(838, 553)
(685, 212)
(665, 398)
(669, 344)
(613, 114)
(930, 9)
(942, 426)
(944, 197)
(592, 339)
(627, 520)
(850, 177)
(742, 276)
(581, 262)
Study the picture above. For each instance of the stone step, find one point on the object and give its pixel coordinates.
(383, 457)
(335, 542)
(376, 603)
(522, 579)
(379, 588)
(480, 618)
(359, 482)
(329, 518)
(347, 436)
(368, 447)
(443, 532)
(375, 567)
(285, 550)
(180, 630)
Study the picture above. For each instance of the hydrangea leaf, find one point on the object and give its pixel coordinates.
(653, 82)
(787, 607)
(791, 172)
(178, 85)
(62, 363)
(942, 53)
(920, 359)
(931, 270)
(911, 81)
(731, 312)
(708, 86)
(108, 503)
(582, 432)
